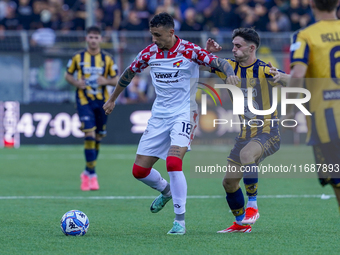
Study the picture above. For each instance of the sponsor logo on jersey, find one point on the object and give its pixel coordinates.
(166, 75)
(331, 95)
(93, 70)
(177, 64)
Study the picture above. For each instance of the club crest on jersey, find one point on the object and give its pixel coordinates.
(177, 64)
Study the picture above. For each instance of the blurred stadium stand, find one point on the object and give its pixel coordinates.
(28, 68)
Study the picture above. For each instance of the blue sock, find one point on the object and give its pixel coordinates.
(250, 180)
(236, 203)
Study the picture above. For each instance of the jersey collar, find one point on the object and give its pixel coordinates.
(249, 65)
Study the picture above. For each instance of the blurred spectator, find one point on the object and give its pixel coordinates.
(79, 9)
(112, 14)
(170, 7)
(298, 15)
(134, 23)
(283, 5)
(67, 22)
(136, 92)
(38, 7)
(10, 21)
(25, 13)
(250, 19)
(201, 5)
(210, 15)
(262, 19)
(306, 13)
(3, 7)
(279, 22)
(190, 23)
(223, 16)
(99, 19)
(44, 36)
(55, 19)
(142, 10)
(243, 10)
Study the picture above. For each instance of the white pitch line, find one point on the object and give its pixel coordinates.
(152, 197)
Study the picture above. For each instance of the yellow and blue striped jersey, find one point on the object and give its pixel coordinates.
(318, 48)
(89, 67)
(255, 76)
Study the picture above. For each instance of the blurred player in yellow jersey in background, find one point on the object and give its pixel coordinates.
(95, 70)
(315, 53)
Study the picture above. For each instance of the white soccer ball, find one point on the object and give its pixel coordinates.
(74, 223)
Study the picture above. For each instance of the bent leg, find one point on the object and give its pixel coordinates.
(249, 155)
(235, 199)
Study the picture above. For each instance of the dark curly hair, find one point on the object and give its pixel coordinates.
(248, 34)
(93, 29)
(326, 5)
(162, 20)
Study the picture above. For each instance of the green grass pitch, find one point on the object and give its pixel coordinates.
(38, 184)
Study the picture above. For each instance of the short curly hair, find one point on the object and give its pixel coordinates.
(162, 19)
(248, 34)
(93, 29)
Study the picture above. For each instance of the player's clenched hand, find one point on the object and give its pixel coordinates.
(233, 79)
(273, 70)
(212, 46)
(108, 107)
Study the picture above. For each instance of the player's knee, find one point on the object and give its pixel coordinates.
(230, 185)
(246, 156)
(173, 164)
(140, 172)
(90, 134)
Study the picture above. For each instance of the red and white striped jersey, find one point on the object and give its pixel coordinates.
(174, 75)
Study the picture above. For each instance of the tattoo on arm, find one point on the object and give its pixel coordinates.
(126, 77)
(223, 66)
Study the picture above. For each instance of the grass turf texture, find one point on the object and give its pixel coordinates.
(126, 226)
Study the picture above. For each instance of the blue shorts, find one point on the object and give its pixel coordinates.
(92, 117)
(328, 154)
(269, 143)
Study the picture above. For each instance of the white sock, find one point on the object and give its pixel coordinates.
(252, 204)
(178, 186)
(155, 180)
(89, 175)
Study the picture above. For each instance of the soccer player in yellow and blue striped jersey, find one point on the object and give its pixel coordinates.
(315, 55)
(95, 70)
(254, 142)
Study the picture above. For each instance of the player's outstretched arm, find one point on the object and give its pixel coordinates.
(212, 47)
(297, 74)
(224, 66)
(123, 81)
(278, 76)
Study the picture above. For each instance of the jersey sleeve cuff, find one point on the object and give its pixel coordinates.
(298, 63)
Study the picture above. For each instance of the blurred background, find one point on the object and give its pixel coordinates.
(38, 37)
